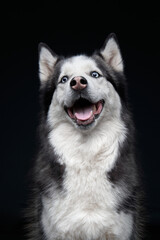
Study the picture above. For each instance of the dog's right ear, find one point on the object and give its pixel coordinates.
(47, 60)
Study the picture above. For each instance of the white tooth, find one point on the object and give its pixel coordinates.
(94, 108)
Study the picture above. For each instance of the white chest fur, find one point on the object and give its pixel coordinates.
(85, 209)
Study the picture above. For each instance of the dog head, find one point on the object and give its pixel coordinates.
(82, 90)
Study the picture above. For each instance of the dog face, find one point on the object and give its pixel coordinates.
(84, 89)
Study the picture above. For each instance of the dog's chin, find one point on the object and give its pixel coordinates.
(84, 113)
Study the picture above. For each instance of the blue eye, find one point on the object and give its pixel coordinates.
(95, 74)
(64, 79)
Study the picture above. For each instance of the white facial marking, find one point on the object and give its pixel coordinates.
(97, 88)
(78, 66)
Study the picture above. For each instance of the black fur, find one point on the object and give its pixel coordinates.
(117, 79)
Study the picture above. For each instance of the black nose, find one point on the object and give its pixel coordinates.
(78, 83)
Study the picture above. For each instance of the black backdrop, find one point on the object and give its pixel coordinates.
(73, 29)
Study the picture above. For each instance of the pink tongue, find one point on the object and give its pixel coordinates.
(83, 113)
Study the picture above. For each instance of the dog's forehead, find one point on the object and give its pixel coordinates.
(78, 64)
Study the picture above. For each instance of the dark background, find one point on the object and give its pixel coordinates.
(72, 29)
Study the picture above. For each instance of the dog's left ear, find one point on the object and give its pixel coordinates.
(111, 53)
(47, 60)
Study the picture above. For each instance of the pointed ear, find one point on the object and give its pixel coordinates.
(47, 60)
(111, 53)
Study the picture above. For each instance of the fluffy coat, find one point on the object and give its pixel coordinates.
(86, 183)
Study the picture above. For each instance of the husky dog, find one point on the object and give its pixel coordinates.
(86, 182)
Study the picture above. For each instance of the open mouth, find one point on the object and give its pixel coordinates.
(83, 112)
